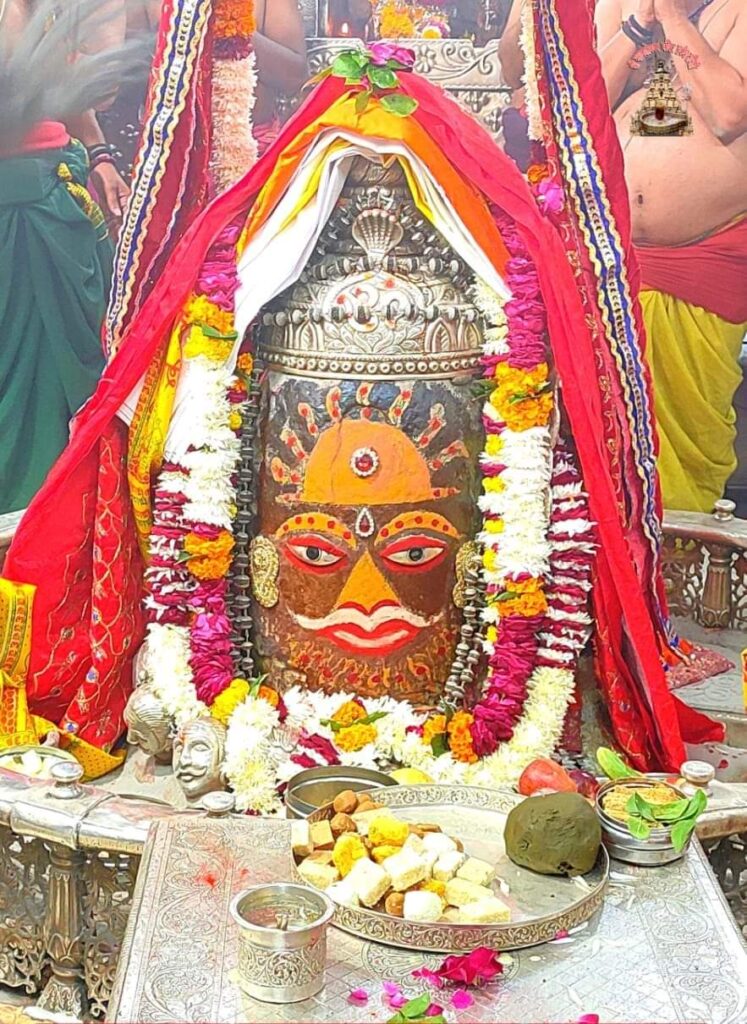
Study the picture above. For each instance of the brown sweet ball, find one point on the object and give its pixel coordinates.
(459, 843)
(428, 827)
(394, 904)
(345, 802)
(364, 805)
(342, 823)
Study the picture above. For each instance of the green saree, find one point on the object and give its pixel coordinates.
(55, 266)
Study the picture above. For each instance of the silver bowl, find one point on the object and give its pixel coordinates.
(315, 787)
(654, 851)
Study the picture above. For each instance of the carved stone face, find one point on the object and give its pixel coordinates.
(199, 750)
(149, 725)
(366, 496)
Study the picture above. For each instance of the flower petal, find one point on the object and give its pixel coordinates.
(462, 1000)
(358, 996)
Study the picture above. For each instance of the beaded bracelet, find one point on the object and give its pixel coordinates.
(100, 149)
(637, 33)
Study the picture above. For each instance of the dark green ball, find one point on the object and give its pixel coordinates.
(558, 834)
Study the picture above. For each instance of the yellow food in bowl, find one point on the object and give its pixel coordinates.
(615, 802)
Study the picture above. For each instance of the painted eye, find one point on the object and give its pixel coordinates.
(314, 553)
(414, 554)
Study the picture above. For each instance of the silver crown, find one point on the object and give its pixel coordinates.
(382, 295)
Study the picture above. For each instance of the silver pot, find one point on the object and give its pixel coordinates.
(315, 787)
(282, 941)
(654, 851)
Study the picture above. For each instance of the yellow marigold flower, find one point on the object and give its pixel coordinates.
(489, 558)
(226, 703)
(245, 363)
(197, 343)
(433, 727)
(235, 421)
(355, 737)
(348, 713)
(200, 310)
(491, 634)
(210, 559)
(522, 397)
(493, 485)
(493, 445)
(493, 526)
(460, 737)
(395, 22)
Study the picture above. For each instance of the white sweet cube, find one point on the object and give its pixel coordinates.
(343, 892)
(369, 881)
(301, 838)
(477, 871)
(459, 892)
(447, 865)
(422, 906)
(414, 844)
(490, 910)
(405, 869)
(438, 842)
(429, 859)
(321, 876)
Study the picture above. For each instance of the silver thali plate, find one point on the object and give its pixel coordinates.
(541, 905)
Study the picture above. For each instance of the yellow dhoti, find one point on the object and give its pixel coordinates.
(17, 728)
(693, 358)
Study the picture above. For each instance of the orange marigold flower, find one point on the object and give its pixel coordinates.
(526, 605)
(433, 727)
(234, 18)
(537, 173)
(245, 363)
(355, 737)
(210, 558)
(460, 737)
(349, 712)
(267, 693)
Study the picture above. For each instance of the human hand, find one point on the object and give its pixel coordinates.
(642, 10)
(670, 10)
(112, 193)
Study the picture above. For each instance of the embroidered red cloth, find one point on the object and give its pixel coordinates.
(711, 272)
(80, 550)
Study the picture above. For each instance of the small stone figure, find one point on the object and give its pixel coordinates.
(149, 724)
(199, 750)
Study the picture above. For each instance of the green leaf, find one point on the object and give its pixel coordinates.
(383, 78)
(370, 719)
(681, 832)
(349, 65)
(399, 104)
(670, 812)
(210, 332)
(362, 100)
(639, 828)
(613, 765)
(415, 1008)
(318, 77)
(638, 807)
(696, 805)
(439, 744)
(331, 724)
(398, 1018)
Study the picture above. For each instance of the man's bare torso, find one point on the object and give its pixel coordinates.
(683, 188)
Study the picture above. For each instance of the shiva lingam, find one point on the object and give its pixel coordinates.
(362, 558)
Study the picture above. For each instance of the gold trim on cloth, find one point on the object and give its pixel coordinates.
(17, 726)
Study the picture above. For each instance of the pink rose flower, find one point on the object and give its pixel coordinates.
(382, 53)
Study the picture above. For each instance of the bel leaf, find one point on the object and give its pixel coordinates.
(613, 765)
(348, 66)
(639, 828)
(439, 744)
(361, 100)
(399, 104)
(640, 807)
(681, 832)
(415, 1008)
(671, 812)
(382, 78)
(696, 805)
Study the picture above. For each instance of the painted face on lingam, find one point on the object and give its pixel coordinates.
(368, 439)
(355, 569)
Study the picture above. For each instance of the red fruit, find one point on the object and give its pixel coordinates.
(545, 774)
(586, 784)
